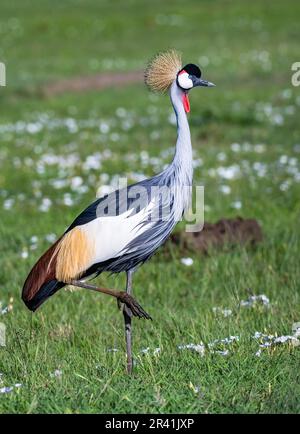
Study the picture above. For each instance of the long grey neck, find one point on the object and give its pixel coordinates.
(183, 156)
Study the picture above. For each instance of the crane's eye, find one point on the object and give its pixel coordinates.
(184, 81)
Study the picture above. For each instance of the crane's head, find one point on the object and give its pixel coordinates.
(166, 68)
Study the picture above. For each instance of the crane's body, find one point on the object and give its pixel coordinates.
(122, 230)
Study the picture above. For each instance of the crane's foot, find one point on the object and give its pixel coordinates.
(123, 308)
(133, 308)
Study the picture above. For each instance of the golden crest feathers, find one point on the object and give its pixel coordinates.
(162, 70)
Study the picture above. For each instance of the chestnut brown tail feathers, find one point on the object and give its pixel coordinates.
(41, 282)
(45, 291)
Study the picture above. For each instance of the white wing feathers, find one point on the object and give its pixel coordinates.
(111, 234)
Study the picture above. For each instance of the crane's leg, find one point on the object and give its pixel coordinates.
(127, 312)
(122, 297)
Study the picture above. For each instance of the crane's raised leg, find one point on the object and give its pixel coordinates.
(130, 308)
(121, 296)
(127, 312)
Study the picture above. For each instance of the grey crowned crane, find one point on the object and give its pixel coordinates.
(122, 230)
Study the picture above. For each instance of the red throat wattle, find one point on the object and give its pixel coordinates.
(186, 102)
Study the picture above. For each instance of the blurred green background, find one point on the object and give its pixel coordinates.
(57, 150)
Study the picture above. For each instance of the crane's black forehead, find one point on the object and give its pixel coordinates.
(192, 69)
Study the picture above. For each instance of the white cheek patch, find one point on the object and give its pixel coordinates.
(184, 81)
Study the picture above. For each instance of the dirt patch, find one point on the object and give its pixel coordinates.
(226, 232)
(86, 83)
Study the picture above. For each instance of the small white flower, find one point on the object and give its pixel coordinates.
(6, 389)
(224, 312)
(283, 339)
(58, 183)
(259, 148)
(221, 156)
(225, 189)
(187, 261)
(24, 253)
(121, 112)
(253, 299)
(237, 204)
(57, 373)
(230, 172)
(67, 199)
(76, 182)
(235, 147)
(265, 345)
(222, 352)
(71, 125)
(277, 119)
(284, 186)
(296, 330)
(257, 335)
(199, 348)
(45, 205)
(283, 159)
(8, 204)
(115, 137)
(50, 238)
(104, 127)
(225, 341)
(33, 128)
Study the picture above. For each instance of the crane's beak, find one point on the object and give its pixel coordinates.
(199, 82)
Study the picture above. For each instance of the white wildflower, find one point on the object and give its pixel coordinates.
(67, 199)
(230, 172)
(187, 261)
(8, 204)
(104, 127)
(237, 204)
(225, 189)
(6, 389)
(45, 205)
(222, 352)
(76, 182)
(253, 299)
(57, 373)
(198, 348)
(224, 312)
(235, 147)
(50, 238)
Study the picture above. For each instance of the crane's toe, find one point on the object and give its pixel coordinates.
(123, 307)
(133, 307)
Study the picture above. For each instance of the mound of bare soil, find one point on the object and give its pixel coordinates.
(226, 232)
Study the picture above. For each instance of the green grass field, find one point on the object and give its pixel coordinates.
(56, 152)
